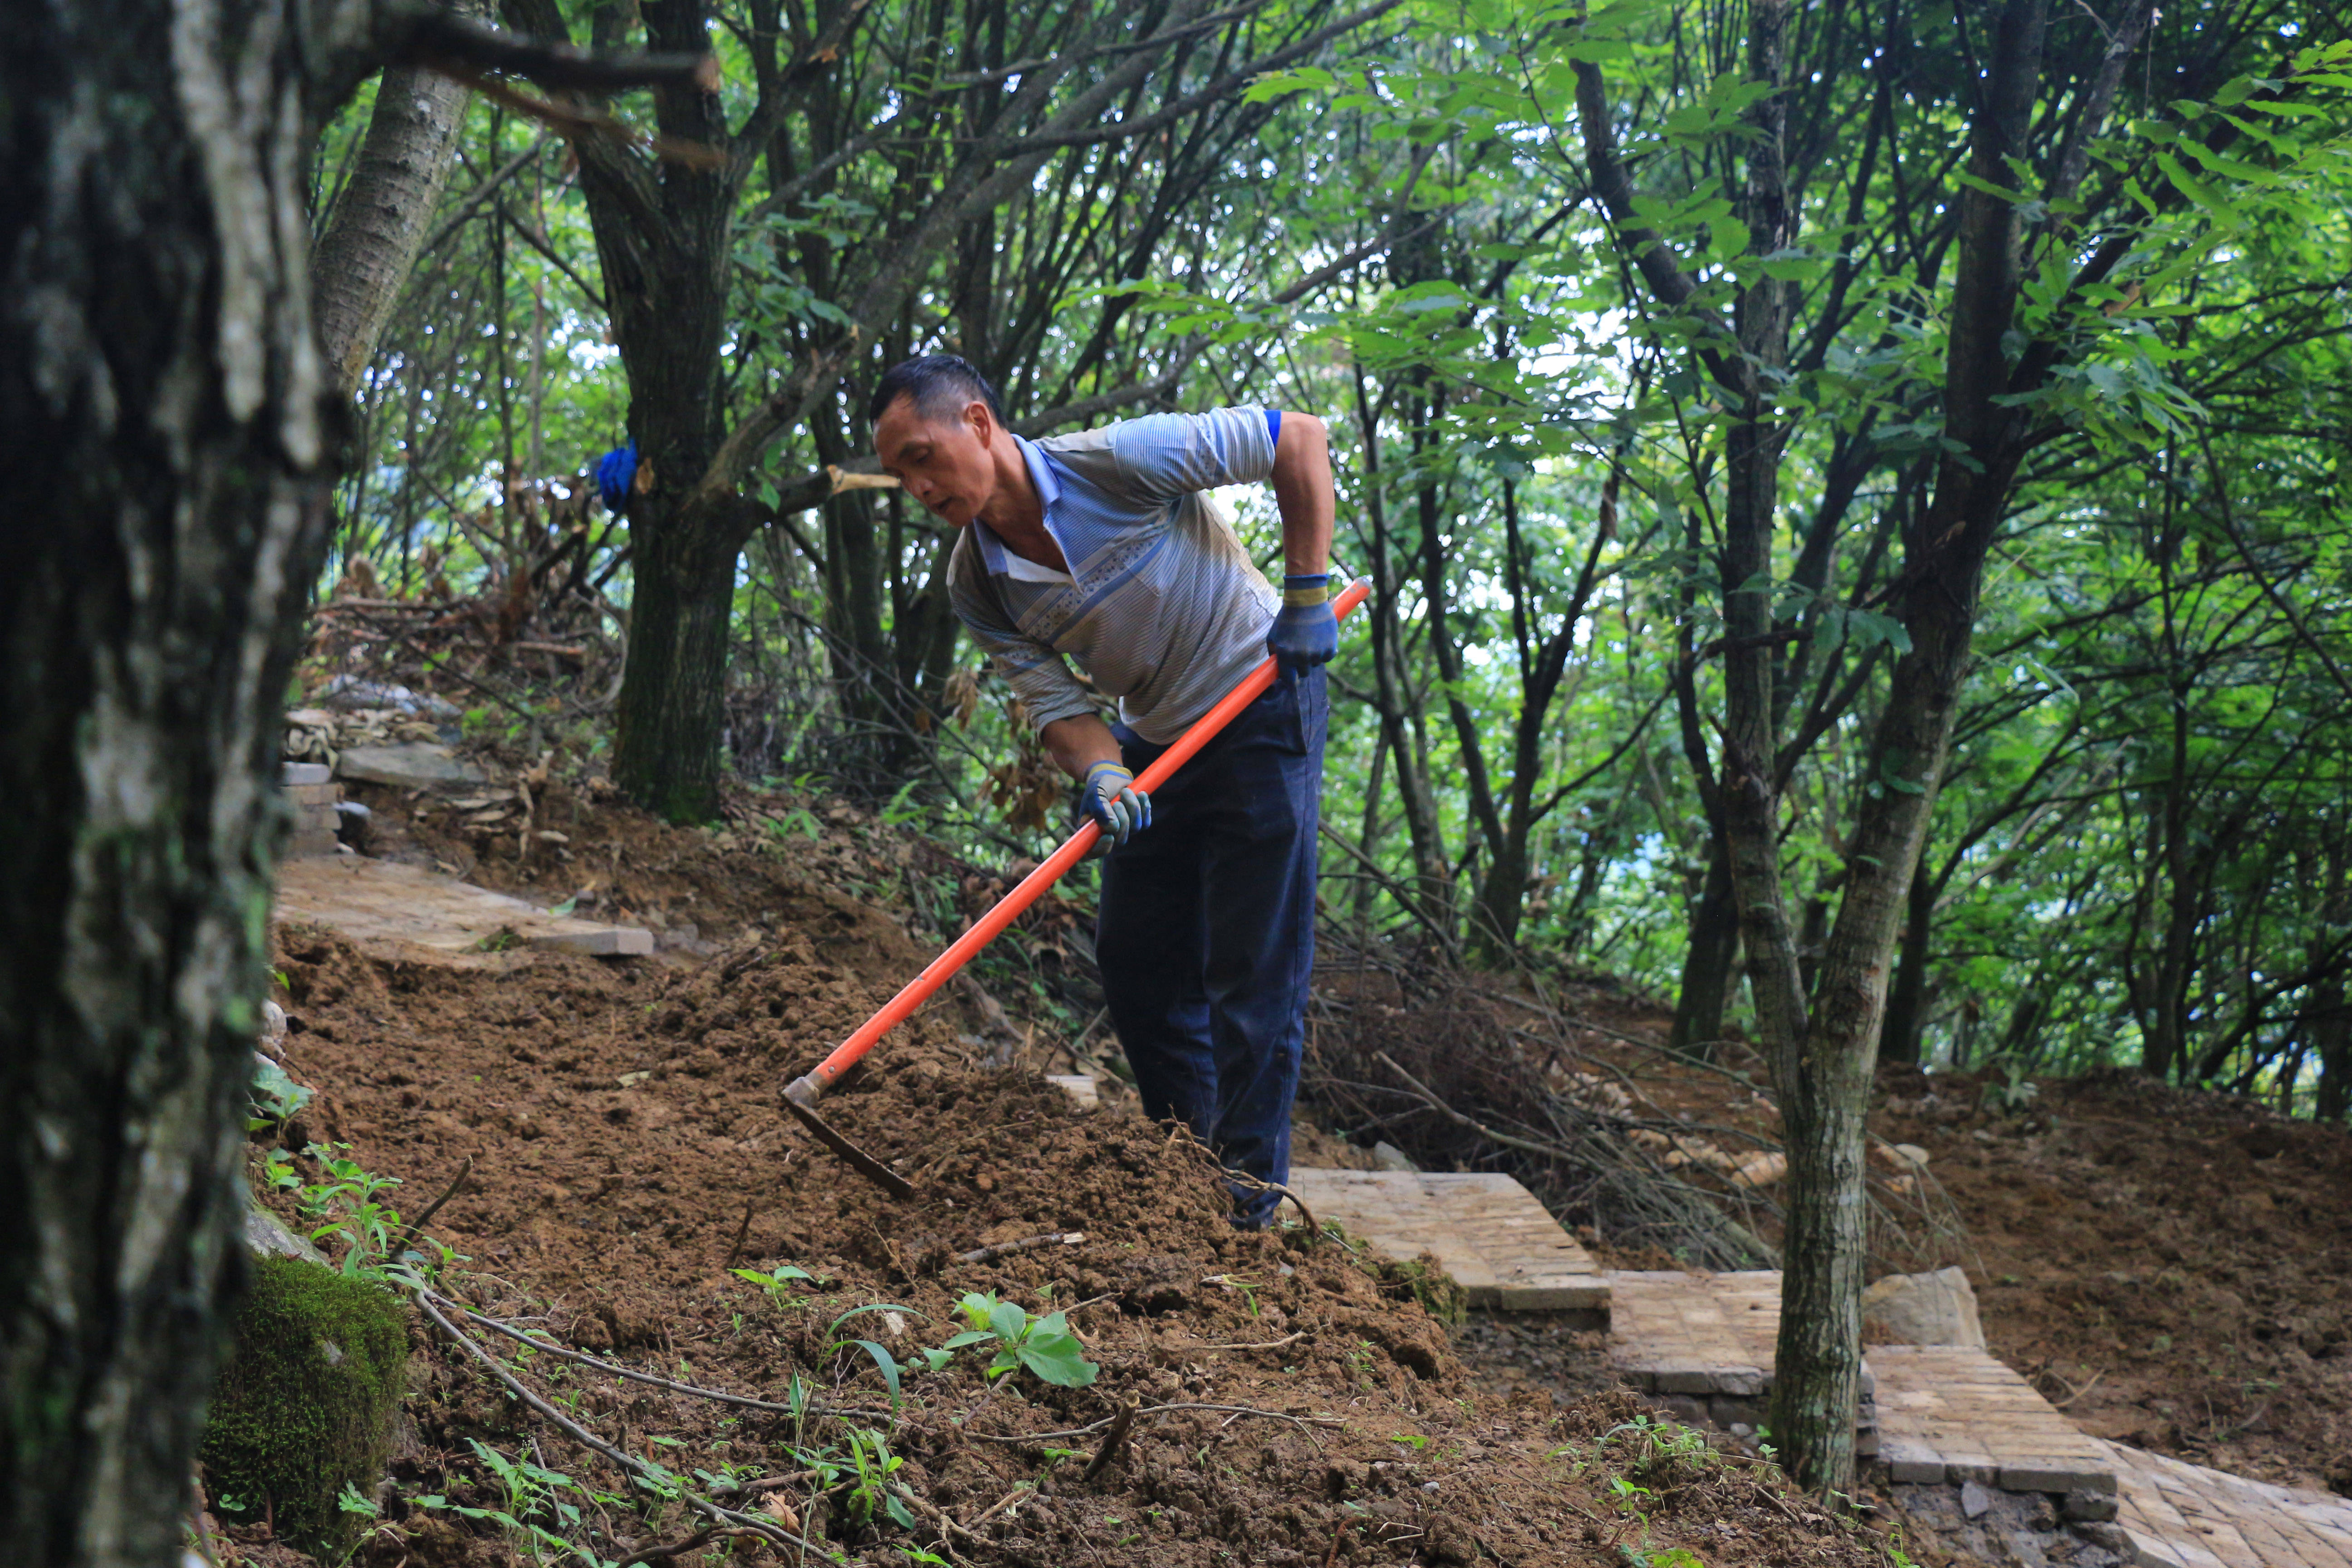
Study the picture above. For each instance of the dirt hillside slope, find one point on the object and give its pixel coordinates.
(1298, 1405)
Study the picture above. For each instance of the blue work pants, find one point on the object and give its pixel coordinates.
(1206, 934)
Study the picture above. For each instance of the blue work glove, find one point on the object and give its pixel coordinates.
(1119, 808)
(1305, 634)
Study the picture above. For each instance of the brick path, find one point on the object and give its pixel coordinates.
(1704, 1344)
(2179, 1515)
(1500, 1245)
(1953, 1414)
(1934, 1414)
(1947, 1414)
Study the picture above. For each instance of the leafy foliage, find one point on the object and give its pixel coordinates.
(1045, 1346)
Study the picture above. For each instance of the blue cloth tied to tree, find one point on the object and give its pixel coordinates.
(616, 475)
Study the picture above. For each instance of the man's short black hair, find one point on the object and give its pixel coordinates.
(941, 384)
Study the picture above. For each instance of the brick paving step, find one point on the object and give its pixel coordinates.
(1954, 1414)
(1502, 1246)
(1704, 1344)
(2179, 1515)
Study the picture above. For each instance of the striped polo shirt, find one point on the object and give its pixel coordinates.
(1163, 606)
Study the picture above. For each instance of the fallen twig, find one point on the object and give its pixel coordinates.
(1051, 1238)
(1243, 1179)
(1001, 1504)
(742, 1231)
(1329, 1423)
(1526, 1145)
(2078, 1393)
(628, 1463)
(1121, 1424)
(564, 1353)
(409, 1231)
(1266, 1345)
(680, 1548)
(765, 1483)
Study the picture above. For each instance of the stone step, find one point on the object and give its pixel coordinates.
(1952, 1413)
(379, 902)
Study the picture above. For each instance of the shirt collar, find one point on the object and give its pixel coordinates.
(992, 552)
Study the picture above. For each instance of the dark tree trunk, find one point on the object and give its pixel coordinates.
(662, 236)
(1432, 875)
(672, 707)
(2325, 1019)
(362, 262)
(1907, 1005)
(168, 422)
(2329, 1025)
(1823, 1045)
(1708, 959)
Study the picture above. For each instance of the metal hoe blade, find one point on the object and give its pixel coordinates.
(857, 1159)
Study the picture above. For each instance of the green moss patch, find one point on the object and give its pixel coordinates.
(305, 1405)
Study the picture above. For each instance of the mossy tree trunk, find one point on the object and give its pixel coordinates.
(170, 423)
(169, 418)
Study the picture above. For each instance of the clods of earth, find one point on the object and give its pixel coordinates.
(1294, 1403)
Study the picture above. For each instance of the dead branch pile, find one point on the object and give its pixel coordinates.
(524, 626)
(1468, 1072)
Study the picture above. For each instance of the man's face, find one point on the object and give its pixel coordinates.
(943, 463)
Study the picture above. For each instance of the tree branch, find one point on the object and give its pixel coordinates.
(458, 45)
(1216, 89)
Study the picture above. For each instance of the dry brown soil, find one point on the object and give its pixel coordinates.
(2171, 1265)
(1301, 1405)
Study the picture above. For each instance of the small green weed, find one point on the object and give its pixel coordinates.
(884, 1362)
(532, 1499)
(2014, 1091)
(276, 1097)
(870, 1455)
(351, 1202)
(778, 1285)
(1043, 1345)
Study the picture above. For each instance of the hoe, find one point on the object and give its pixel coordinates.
(802, 1093)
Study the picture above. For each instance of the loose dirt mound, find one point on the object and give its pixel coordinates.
(1299, 1406)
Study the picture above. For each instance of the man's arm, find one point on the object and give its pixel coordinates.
(1078, 743)
(1304, 634)
(1302, 491)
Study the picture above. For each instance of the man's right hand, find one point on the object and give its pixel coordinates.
(1110, 797)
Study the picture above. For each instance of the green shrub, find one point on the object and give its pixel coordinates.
(305, 1405)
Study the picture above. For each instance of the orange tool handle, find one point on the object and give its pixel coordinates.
(806, 1090)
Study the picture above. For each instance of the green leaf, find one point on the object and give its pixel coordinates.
(888, 1363)
(1055, 1354)
(874, 1307)
(1869, 628)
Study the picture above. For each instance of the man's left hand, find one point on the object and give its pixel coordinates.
(1305, 634)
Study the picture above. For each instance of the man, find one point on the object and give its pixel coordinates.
(1102, 547)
